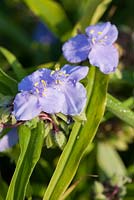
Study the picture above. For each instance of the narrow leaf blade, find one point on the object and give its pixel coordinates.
(31, 144)
(121, 111)
(8, 81)
(80, 138)
(109, 161)
(52, 14)
(16, 66)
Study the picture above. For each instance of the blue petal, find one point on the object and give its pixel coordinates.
(28, 82)
(53, 101)
(104, 57)
(46, 75)
(76, 73)
(92, 31)
(111, 35)
(26, 106)
(8, 140)
(103, 32)
(76, 49)
(75, 99)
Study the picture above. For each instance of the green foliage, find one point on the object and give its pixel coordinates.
(16, 66)
(109, 160)
(13, 31)
(31, 142)
(57, 21)
(3, 188)
(80, 137)
(117, 108)
(10, 83)
(84, 168)
(92, 11)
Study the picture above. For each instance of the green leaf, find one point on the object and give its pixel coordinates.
(80, 136)
(14, 63)
(31, 144)
(1, 198)
(109, 161)
(3, 188)
(122, 78)
(101, 8)
(127, 103)
(93, 11)
(13, 31)
(52, 14)
(121, 111)
(5, 100)
(38, 189)
(5, 89)
(8, 82)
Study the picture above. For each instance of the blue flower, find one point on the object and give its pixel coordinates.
(8, 140)
(66, 81)
(51, 92)
(96, 45)
(36, 96)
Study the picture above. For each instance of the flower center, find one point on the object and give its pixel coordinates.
(60, 78)
(98, 37)
(40, 87)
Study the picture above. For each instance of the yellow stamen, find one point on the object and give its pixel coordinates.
(92, 31)
(44, 82)
(99, 33)
(37, 90)
(52, 72)
(66, 74)
(57, 67)
(43, 94)
(61, 73)
(45, 89)
(36, 84)
(58, 82)
(101, 41)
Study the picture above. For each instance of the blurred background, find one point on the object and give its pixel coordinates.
(34, 32)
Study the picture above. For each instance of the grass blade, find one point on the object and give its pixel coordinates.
(31, 144)
(121, 111)
(14, 63)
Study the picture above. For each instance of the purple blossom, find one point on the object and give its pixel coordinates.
(8, 140)
(67, 83)
(96, 45)
(51, 92)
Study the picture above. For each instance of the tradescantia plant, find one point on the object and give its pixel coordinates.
(51, 92)
(38, 113)
(96, 45)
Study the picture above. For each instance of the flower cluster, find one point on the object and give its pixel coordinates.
(60, 91)
(96, 45)
(57, 91)
(51, 92)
